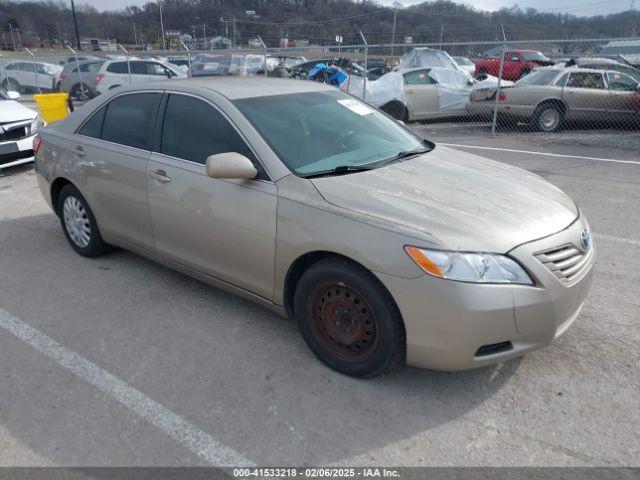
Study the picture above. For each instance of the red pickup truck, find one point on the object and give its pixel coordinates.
(517, 63)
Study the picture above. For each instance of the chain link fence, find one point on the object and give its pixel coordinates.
(489, 87)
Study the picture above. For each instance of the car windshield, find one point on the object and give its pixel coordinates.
(316, 132)
(534, 57)
(538, 77)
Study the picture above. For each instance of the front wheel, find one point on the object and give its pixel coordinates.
(348, 319)
(79, 224)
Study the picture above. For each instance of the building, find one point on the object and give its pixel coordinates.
(622, 47)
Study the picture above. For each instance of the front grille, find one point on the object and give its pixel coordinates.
(17, 133)
(15, 156)
(566, 262)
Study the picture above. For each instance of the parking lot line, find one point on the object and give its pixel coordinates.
(195, 440)
(533, 152)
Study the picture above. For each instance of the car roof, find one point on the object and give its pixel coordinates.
(234, 87)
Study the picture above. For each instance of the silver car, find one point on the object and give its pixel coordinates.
(79, 79)
(384, 247)
(548, 97)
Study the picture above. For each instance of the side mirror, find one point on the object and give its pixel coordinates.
(13, 95)
(230, 165)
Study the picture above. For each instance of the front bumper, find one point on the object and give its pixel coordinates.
(23, 155)
(448, 324)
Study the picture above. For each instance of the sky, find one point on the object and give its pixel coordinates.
(575, 7)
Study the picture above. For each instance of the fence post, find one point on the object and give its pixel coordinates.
(83, 95)
(188, 57)
(4, 70)
(35, 68)
(495, 106)
(266, 71)
(366, 67)
(128, 64)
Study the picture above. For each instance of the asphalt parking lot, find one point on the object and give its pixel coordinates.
(120, 361)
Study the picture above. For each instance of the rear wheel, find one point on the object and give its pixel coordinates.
(81, 92)
(348, 319)
(79, 224)
(548, 117)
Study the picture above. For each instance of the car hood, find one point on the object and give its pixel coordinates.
(12, 111)
(465, 201)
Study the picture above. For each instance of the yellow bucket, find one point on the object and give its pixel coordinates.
(52, 106)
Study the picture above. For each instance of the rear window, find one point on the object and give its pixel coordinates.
(538, 77)
(130, 119)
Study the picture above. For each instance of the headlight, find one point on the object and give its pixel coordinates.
(469, 267)
(36, 125)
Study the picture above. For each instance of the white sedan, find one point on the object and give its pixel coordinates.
(18, 126)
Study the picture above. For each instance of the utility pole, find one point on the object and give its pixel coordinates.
(204, 36)
(393, 31)
(164, 45)
(13, 40)
(234, 32)
(441, 34)
(75, 24)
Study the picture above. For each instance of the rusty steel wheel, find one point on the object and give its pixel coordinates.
(348, 319)
(342, 321)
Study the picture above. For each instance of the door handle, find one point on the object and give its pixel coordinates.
(79, 151)
(160, 176)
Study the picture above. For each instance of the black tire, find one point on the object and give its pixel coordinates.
(397, 110)
(11, 84)
(95, 246)
(368, 337)
(80, 94)
(548, 117)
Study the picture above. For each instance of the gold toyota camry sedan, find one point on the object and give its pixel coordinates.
(384, 247)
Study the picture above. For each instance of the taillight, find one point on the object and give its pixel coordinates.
(502, 97)
(37, 143)
(99, 77)
(62, 77)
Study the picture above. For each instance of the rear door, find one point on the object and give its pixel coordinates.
(224, 228)
(112, 149)
(586, 95)
(421, 93)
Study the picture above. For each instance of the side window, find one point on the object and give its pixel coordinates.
(621, 82)
(586, 80)
(138, 68)
(130, 119)
(118, 67)
(93, 126)
(417, 77)
(90, 67)
(12, 66)
(562, 80)
(512, 57)
(194, 130)
(41, 69)
(156, 69)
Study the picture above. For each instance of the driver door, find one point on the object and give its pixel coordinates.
(224, 228)
(422, 94)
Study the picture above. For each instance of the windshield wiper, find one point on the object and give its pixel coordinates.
(339, 170)
(403, 154)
